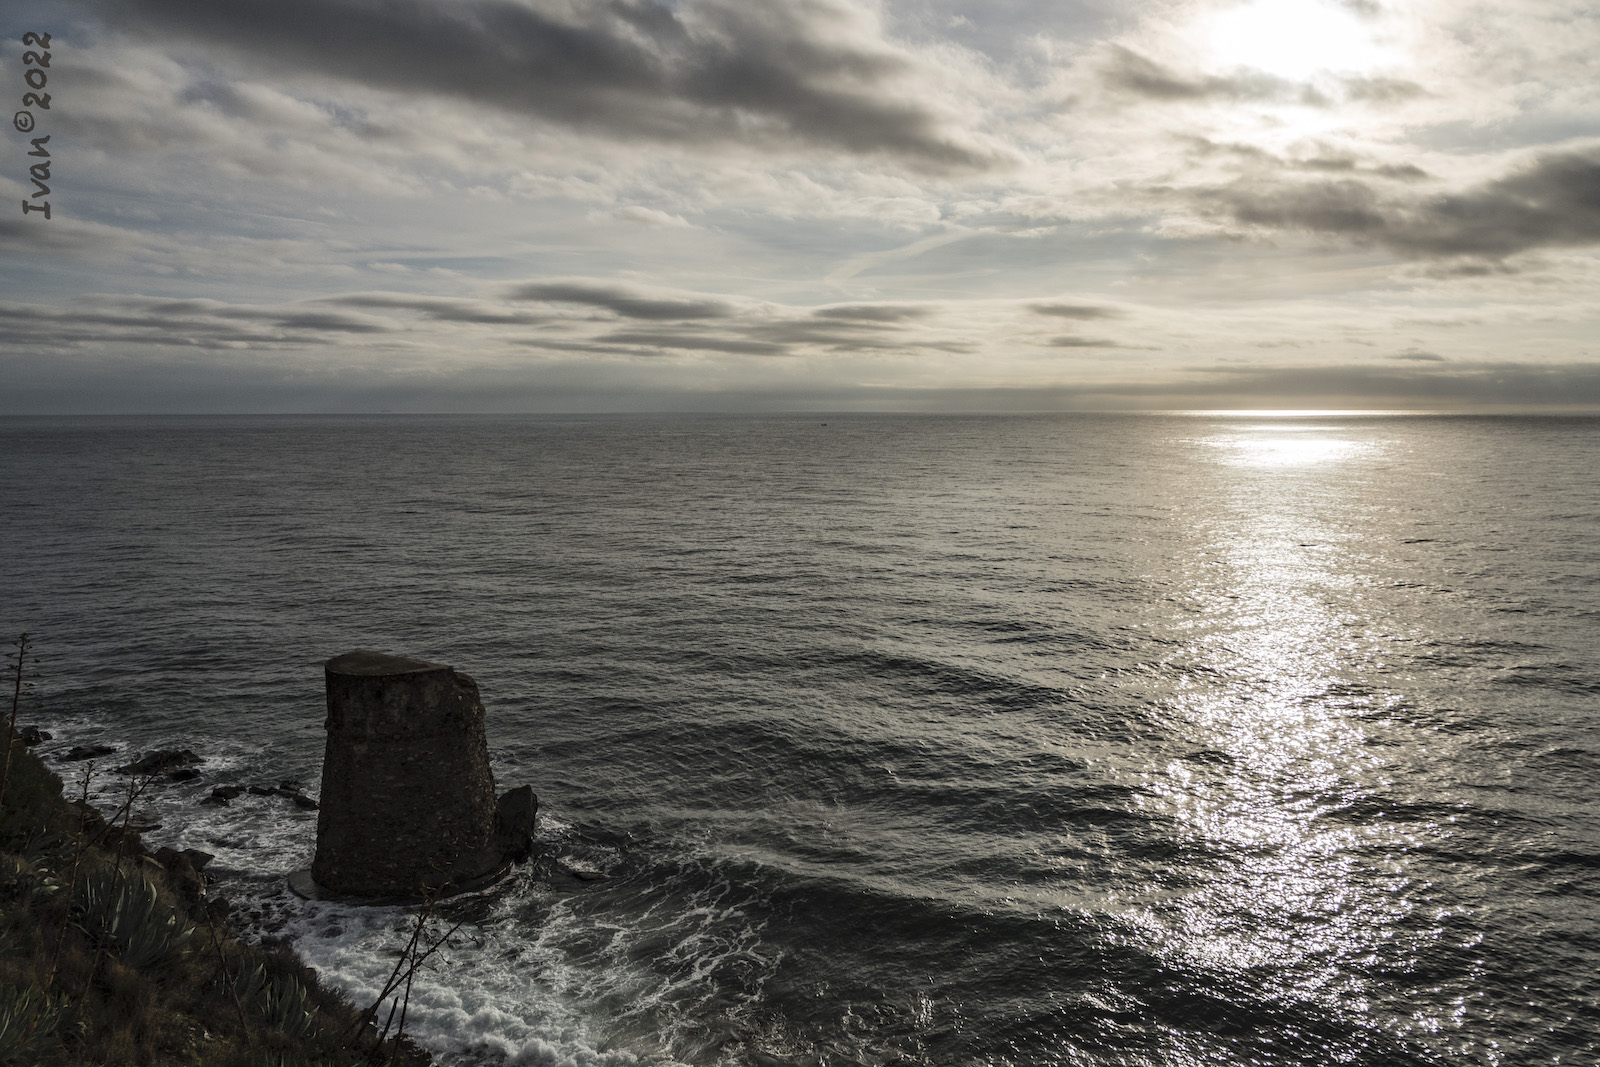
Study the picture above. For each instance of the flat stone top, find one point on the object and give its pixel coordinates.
(375, 664)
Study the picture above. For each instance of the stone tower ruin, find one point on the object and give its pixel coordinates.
(408, 801)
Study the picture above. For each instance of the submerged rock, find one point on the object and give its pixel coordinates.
(162, 761)
(582, 872)
(223, 794)
(514, 816)
(83, 752)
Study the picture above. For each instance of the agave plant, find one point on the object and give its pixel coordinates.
(128, 908)
(278, 1059)
(26, 878)
(283, 1000)
(28, 1021)
(14, 871)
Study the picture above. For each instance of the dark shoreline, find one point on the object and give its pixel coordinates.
(111, 952)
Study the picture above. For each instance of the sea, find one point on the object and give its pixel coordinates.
(1056, 739)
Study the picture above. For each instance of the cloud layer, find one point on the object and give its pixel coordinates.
(899, 202)
(1552, 201)
(817, 72)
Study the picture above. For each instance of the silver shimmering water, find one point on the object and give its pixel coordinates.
(930, 740)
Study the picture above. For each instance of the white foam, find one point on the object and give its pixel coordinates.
(479, 999)
(536, 978)
(541, 976)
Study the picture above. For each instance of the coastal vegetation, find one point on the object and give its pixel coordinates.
(111, 954)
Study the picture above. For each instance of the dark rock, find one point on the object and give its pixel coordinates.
(407, 800)
(83, 752)
(514, 816)
(511, 837)
(289, 787)
(183, 873)
(162, 761)
(303, 801)
(118, 837)
(215, 801)
(582, 872)
(184, 774)
(192, 858)
(226, 792)
(94, 824)
(263, 791)
(32, 735)
(190, 889)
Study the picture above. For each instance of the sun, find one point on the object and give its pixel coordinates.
(1293, 39)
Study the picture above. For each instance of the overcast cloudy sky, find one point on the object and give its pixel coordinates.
(585, 205)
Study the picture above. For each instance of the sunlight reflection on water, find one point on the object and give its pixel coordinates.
(1277, 681)
(1276, 444)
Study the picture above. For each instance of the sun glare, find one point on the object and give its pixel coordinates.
(1295, 39)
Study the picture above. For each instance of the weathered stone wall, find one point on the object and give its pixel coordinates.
(408, 800)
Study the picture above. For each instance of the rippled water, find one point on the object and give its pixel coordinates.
(1010, 740)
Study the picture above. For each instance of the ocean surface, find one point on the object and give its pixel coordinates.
(1089, 740)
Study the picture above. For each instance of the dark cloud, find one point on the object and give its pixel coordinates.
(1069, 341)
(312, 321)
(1405, 172)
(846, 336)
(772, 330)
(808, 71)
(1260, 161)
(873, 312)
(834, 335)
(1077, 311)
(683, 321)
(1329, 163)
(780, 333)
(1138, 75)
(695, 342)
(1372, 385)
(1466, 268)
(638, 323)
(189, 323)
(63, 235)
(1446, 387)
(1554, 201)
(442, 309)
(1368, 9)
(1418, 356)
(626, 302)
(1381, 90)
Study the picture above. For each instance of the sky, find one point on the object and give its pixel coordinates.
(744, 205)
